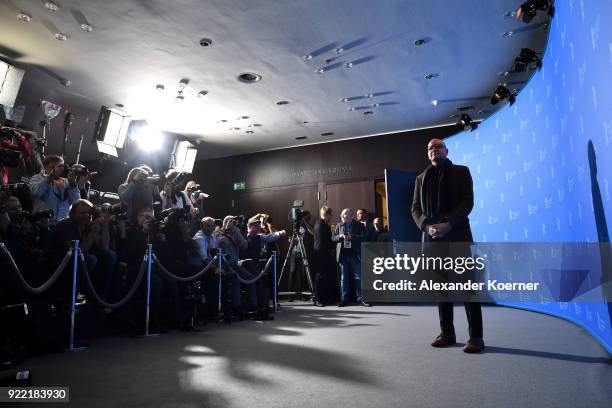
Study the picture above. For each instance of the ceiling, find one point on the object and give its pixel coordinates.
(138, 44)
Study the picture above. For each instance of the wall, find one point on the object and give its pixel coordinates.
(535, 177)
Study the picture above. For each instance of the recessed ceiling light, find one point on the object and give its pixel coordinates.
(61, 36)
(280, 103)
(205, 42)
(222, 121)
(350, 109)
(51, 6)
(508, 34)
(242, 117)
(327, 134)
(420, 41)
(256, 125)
(307, 57)
(348, 65)
(119, 105)
(202, 93)
(65, 82)
(320, 71)
(339, 50)
(344, 100)
(434, 102)
(301, 138)
(159, 88)
(179, 98)
(431, 76)
(368, 113)
(183, 83)
(375, 105)
(26, 18)
(329, 61)
(249, 77)
(369, 96)
(86, 27)
(249, 132)
(234, 128)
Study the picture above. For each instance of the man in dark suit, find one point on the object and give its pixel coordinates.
(443, 198)
(348, 235)
(324, 259)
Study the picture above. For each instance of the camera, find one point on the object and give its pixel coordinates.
(296, 213)
(9, 157)
(16, 189)
(119, 209)
(196, 192)
(36, 216)
(79, 170)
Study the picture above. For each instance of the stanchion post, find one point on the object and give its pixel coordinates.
(219, 294)
(75, 268)
(148, 307)
(274, 287)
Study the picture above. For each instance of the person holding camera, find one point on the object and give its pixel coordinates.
(231, 241)
(56, 188)
(139, 191)
(91, 229)
(196, 197)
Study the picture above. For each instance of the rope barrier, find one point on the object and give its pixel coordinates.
(95, 294)
(180, 278)
(255, 279)
(25, 286)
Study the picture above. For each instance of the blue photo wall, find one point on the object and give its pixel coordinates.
(542, 168)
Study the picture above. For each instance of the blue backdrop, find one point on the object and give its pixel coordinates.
(534, 177)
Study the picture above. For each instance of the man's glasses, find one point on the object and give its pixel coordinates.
(436, 146)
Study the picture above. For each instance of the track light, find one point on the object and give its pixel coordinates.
(529, 9)
(527, 57)
(465, 121)
(502, 93)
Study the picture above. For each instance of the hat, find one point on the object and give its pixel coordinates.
(253, 221)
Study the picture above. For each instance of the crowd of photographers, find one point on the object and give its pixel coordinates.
(41, 219)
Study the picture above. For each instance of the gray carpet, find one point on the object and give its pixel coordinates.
(332, 357)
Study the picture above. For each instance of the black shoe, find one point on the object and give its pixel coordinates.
(364, 304)
(444, 340)
(342, 303)
(474, 346)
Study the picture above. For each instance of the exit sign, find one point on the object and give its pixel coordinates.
(239, 186)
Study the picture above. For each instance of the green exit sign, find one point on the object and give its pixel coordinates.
(239, 186)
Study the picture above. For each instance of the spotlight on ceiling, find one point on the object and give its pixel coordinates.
(24, 17)
(202, 93)
(526, 58)
(51, 6)
(205, 42)
(249, 77)
(465, 122)
(502, 93)
(87, 27)
(60, 36)
(159, 88)
(529, 9)
(183, 83)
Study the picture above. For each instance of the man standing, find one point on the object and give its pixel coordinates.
(349, 234)
(364, 218)
(323, 259)
(443, 198)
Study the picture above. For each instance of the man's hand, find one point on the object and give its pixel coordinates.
(438, 231)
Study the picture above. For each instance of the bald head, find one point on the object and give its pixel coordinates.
(436, 151)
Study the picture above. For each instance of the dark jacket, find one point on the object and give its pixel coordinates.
(460, 195)
(323, 245)
(358, 233)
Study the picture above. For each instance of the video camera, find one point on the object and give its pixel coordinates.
(79, 170)
(297, 211)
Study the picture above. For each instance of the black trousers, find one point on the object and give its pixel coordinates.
(473, 312)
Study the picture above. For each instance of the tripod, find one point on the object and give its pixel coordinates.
(296, 239)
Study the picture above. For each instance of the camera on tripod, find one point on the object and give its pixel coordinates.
(296, 214)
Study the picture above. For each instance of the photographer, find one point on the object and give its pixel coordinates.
(132, 246)
(91, 228)
(196, 197)
(256, 241)
(139, 191)
(12, 139)
(230, 240)
(173, 197)
(204, 251)
(55, 188)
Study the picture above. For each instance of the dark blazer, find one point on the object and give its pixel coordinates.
(323, 244)
(358, 233)
(461, 196)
